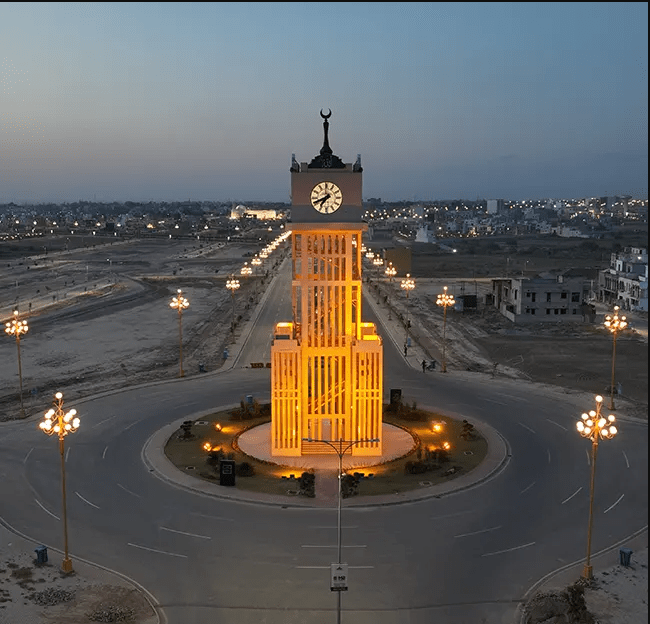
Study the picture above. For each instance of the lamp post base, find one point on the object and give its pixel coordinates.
(588, 572)
(66, 566)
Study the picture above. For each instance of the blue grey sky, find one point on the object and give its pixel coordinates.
(169, 101)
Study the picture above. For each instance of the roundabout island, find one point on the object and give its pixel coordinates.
(424, 453)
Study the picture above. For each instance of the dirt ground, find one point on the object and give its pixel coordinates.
(32, 593)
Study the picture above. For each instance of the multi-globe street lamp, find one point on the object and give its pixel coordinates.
(16, 328)
(615, 324)
(445, 301)
(341, 447)
(60, 423)
(256, 262)
(391, 272)
(594, 427)
(232, 285)
(407, 285)
(180, 303)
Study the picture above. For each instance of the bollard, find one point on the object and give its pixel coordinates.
(625, 556)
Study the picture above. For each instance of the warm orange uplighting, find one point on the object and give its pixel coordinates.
(217, 426)
(207, 447)
(446, 446)
(437, 426)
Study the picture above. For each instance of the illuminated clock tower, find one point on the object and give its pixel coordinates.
(326, 364)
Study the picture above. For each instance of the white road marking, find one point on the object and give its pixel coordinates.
(478, 532)
(334, 527)
(66, 454)
(557, 424)
(493, 401)
(566, 500)
(86, 501)
(588, 457)
(548, 452)
(499, 552)
(350, 567)
(627, 462)
(101, 422)
(528, 488)
(133, 424)
(616, 503)
(31, 449)
(525, 427)
(162, 552)
(510, 396)
(162, 528)
(212, 517)
(333, 546)
(104, 453)
(47, 511)
(119, 485)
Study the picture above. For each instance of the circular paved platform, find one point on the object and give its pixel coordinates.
(256, 442)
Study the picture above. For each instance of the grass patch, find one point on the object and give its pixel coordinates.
(429, 463)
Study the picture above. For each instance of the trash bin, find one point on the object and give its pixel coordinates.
(626, 555)
(249, 399)
(201, 368)
(41, 554)
(225, 354)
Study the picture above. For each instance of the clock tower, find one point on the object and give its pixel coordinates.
(326, 363)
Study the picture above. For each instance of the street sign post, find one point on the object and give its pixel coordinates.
(339, 577)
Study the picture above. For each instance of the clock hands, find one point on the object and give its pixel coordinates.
(322, 200)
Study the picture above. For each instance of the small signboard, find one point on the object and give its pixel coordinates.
(339, 577)
(227, 472)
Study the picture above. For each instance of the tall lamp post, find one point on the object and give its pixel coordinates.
(615, 324)
(341, 447)
(391, 272)
(408, 284)
(445, 301)
(16, 327)
(256, 262)
(180, 303)
(594, 426)
(232, 285)
(60, 423)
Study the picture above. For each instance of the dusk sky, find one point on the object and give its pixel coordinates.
(207, 101)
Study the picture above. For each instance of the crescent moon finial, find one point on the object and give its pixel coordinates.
(328, 114)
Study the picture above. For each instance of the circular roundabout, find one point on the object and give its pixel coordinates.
(423, 452)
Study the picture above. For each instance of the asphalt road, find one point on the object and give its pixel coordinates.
(469, 556)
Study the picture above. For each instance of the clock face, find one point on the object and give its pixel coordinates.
(326, 197)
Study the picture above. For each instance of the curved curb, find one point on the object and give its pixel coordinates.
(520, 614)
(154, 458)
(148, 596)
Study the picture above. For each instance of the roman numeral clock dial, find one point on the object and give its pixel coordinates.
(326, 197)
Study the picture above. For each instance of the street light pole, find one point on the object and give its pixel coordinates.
(615, 324)
(59, 423)
(408, 284)
(391, 271)
(594, 427)
(340, 451)
(232, 285)
(445, 301)
(180, 303)
(15, 328)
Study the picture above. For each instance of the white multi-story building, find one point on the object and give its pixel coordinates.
(625, 282)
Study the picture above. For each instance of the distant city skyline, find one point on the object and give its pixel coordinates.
(208, 101)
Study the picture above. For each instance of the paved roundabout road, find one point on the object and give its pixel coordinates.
(465, 554)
